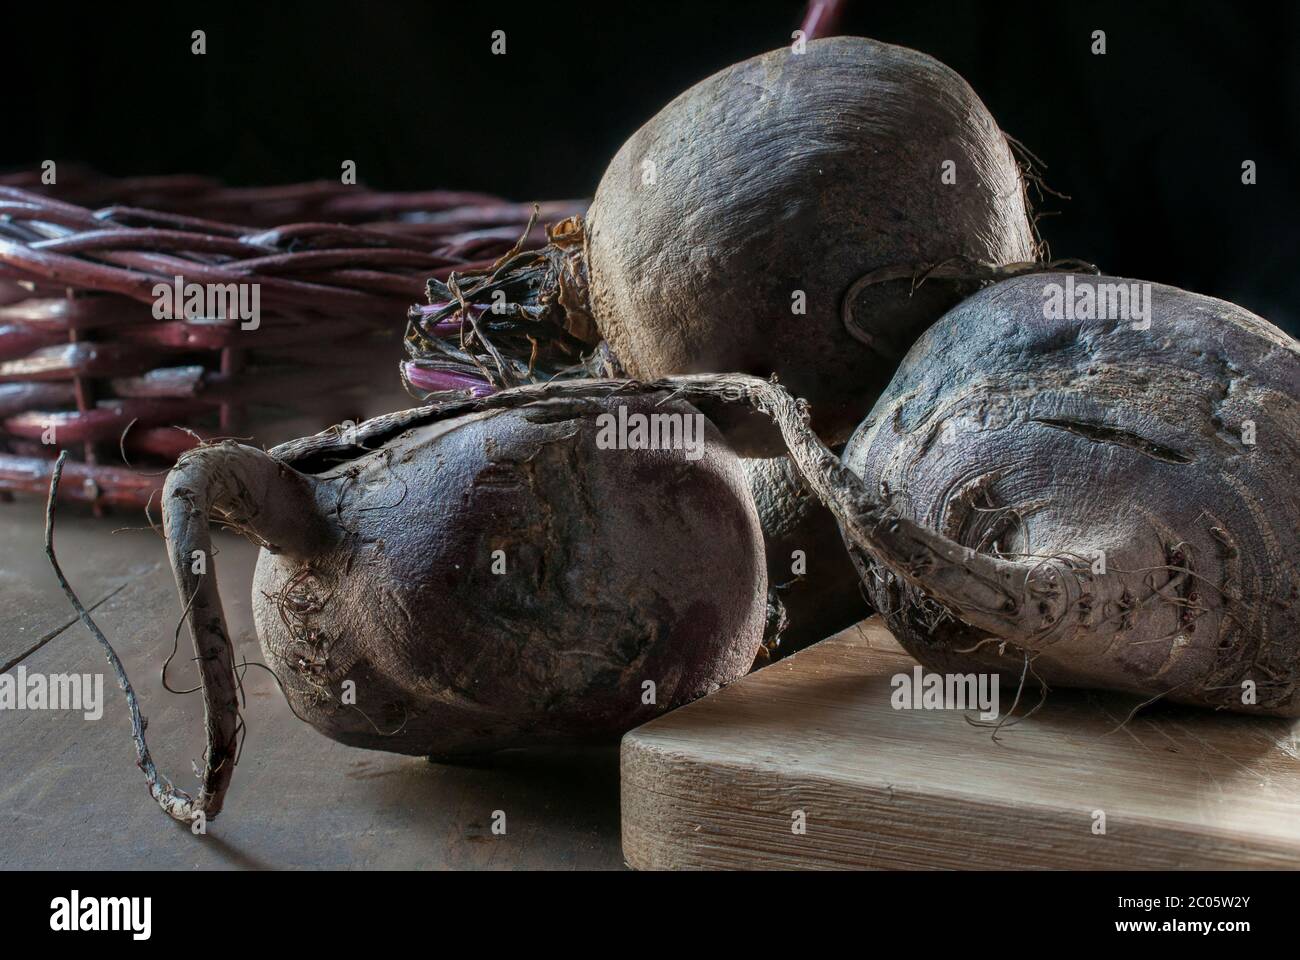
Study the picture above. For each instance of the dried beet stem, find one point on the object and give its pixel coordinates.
(480, 323)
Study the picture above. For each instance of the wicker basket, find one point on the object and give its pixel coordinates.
(86, 365)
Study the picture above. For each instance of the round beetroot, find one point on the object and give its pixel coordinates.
(469, 576)
(776, 217)
(797, 174)
(498, 580)
(1134, 471)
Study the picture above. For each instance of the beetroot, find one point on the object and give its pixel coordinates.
(1082, 502)
(471, 576)
(1161, 456)
(774, 218)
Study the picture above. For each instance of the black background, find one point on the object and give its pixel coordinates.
(1148, 140)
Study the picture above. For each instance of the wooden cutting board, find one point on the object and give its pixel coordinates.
(726, 782)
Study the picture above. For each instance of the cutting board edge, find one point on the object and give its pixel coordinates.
(653, 817)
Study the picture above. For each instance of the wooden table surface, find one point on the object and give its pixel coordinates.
(71, 796)
(715, 784)
(726, 781)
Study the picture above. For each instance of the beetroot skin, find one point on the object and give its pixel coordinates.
(1172, 450)
(774, 218)
(800, 172)
(468, 576)
(1079, 500)
(621, 567)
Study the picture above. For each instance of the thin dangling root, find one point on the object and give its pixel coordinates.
(220, 704)
(1031, 177)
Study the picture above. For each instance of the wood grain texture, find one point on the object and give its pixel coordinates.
(71, 796)
(33, 610)
(716, 784)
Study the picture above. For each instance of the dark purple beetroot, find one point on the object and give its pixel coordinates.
(470, 576)
(752, 225)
